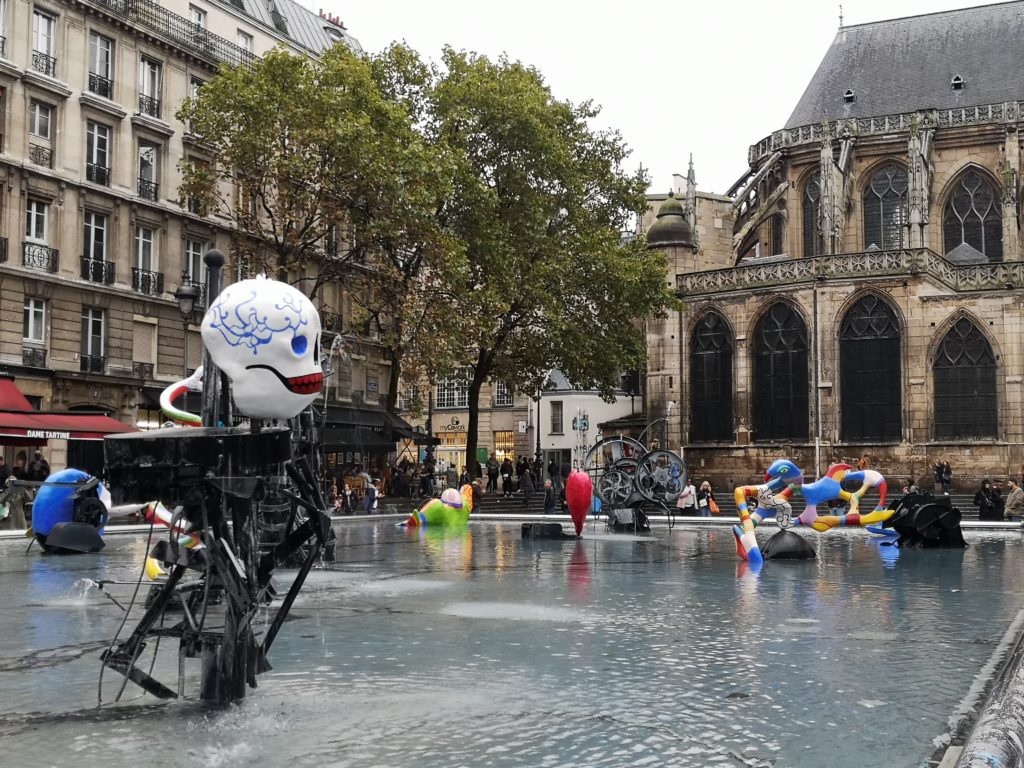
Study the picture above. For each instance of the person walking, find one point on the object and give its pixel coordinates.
(985, 501)
(506, 477)
(687, 501)
(553, 473)
(704, 499)
(549, 498)
(526, 486)
(1014, 502)
(39, 469)
(492, 474)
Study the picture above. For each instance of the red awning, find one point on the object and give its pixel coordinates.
(40, 425)
(11, 398)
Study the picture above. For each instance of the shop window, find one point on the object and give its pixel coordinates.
(505, 445)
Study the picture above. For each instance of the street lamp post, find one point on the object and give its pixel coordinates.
(536, 428)
(186, 296)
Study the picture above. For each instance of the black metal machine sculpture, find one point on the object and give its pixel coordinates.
(216, 481)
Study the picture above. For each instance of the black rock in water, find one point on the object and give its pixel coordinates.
(787, 545)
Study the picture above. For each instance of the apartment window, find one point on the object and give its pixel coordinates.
(39, 116)
(144, 249)
(149, 87)
(505, 445)
(149, 154)
(92, 332)
(502, 394)
(556, 417)
(244, 40)
(101, 61)
(453, 391)
(36, 221)
(33, 326)
(95, 236)
(197, 16)
(194, 84)
(194, 265)
(43, 44)
(97, 153)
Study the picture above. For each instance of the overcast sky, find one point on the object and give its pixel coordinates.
(703, 77)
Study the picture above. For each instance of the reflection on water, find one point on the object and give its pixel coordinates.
(478, 648)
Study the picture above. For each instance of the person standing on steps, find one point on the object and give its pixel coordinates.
(526, 486)
(549, 498)
(492, 474)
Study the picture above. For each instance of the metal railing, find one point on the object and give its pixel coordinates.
(33, 357)
(149, 105)
(92, 363)
(179, 31)
(3, 249)
(3, 47)
(37, 256)
(40, 155)
(44, 63)
(330, 321)
(149, 283)
(101, 86)
(142, 370)
(148, 189)
(97, 270)
(97, 174)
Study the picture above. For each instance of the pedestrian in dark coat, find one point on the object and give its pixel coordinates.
(549, 498)
(526, 486)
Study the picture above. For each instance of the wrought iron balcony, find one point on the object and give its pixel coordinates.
(148, 189)
(330, 321)
(149, 106)
(97, 270)
(178, 30)
(37, 256)
(97, 174)
(200, 294)
(40, 155)
(142, 370)
(3, 249)
(149, 283)
(3, 47)
(33, 357)
(92, 363)
(101, 86)
(44, 63)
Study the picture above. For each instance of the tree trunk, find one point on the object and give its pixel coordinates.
(393, 383)
(480, 372)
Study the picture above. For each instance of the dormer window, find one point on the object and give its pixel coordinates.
(849, 97)
(957, 83)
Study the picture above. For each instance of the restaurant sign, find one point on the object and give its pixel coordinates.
(47, 434)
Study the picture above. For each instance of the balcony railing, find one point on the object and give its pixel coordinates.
(847, 266)
(93, 363)
(149, 283)
(44, 63)
(148, 189)
(36, 256)
(33, 357)
(178, 30)
(3, 249)
(97, 174)
(40, 155)
(97, 270)
(142, 370)
(149, 106)
(3, 47)
(101, 86)
(330, 321)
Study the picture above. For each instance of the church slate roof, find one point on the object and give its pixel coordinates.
(908, 64)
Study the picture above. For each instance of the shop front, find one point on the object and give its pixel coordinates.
(23, 429)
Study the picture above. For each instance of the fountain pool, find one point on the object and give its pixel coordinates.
(482, 649)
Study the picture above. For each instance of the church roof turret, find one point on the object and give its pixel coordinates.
(671, 227)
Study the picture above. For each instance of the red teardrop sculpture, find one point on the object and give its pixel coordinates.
(579, 492)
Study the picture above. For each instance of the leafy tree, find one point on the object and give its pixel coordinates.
(323, 178)
(539, 204)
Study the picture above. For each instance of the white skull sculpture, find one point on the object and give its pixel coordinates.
(265, 335)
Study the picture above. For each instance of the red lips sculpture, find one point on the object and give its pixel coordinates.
(579, 493)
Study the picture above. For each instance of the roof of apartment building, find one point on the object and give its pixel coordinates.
(308, 29)
(942, 60)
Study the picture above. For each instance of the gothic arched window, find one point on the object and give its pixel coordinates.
(973, 217)
(885, 208)
(812, 210)
(965, 384)
(780, 375)
(711, 380)
(870, 372)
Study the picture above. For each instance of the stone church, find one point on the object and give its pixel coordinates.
(858, 291)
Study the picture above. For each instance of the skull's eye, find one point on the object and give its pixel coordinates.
(299, 345)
